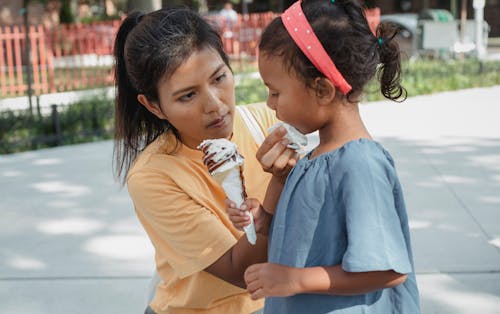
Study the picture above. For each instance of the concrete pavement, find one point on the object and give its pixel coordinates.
(70, 241)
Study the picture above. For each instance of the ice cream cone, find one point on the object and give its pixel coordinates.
(225, 164)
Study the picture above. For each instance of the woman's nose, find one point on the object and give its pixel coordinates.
(213, 102)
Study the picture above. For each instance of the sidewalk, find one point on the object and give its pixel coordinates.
(70, 241)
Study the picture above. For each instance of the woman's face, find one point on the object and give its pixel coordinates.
(198, 99)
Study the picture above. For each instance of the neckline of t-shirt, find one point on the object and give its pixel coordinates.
(335, 151)
(190, 153)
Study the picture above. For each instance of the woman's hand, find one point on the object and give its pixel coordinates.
(274, 155)
(271, 280)
(240, 219)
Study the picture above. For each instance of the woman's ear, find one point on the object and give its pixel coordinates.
(325, 90)
(152, 107)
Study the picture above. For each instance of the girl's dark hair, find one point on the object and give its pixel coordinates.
(343, 30)
(149, 48)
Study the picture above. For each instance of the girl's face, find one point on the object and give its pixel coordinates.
(293, 102)
(198, 99)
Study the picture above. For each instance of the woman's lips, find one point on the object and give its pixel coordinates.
(218, 123)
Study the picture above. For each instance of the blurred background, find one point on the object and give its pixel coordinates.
(56, 78)
(69, 238)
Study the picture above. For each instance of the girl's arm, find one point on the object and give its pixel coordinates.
(274, 155)
(264, 280)
(273, 194)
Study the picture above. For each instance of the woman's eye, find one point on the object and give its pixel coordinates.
(274, 94)
(187, 97)
(220, 77)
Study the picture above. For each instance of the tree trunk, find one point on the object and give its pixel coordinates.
(143, 5)
(202, 6)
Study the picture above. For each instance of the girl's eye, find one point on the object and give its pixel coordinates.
(274, 94)
(187, 97)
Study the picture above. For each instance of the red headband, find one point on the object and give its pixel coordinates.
(301, 32)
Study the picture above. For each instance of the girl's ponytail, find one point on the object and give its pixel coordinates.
(389, 72)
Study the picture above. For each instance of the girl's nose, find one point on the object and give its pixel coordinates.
(270, 103)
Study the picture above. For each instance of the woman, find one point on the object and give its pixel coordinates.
(174, 89)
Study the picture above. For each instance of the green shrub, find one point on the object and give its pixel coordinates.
(249, 91)
(92, 119)
(87, 120)
(427, 77)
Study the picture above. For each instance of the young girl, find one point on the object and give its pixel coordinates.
(339, 239)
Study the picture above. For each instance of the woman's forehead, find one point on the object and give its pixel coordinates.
(200, 66)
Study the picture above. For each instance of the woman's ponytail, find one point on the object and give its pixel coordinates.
(389, 73)
(129, 113)
(121, 76)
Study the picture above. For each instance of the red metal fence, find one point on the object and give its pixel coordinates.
(66, 58)
(73, 56)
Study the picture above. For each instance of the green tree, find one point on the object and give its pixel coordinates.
(67, 13)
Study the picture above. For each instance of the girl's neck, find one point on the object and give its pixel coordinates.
(344, 125)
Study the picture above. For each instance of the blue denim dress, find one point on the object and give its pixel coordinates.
(345, 207)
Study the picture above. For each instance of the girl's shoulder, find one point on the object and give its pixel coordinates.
(363, 150)
(357, 155)
(365, 158)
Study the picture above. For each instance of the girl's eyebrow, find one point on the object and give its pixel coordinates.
(185, 89)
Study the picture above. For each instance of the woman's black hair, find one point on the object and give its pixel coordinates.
(343, 30)
(149, 48)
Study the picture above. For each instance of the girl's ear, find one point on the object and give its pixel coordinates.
(325, 90)
(152, 107)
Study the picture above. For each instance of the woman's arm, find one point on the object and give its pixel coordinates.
(264, 280)
(231, 266)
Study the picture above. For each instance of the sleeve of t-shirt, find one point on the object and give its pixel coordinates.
(375, 239)
(191, 236)
(264, 116)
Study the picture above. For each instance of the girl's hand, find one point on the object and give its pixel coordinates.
(274, 155)
(271, 280)
(240, 219)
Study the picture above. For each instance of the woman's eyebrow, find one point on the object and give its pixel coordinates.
(218, 69)
(185, 89)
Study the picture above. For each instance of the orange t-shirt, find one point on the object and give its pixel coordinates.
(182, 209)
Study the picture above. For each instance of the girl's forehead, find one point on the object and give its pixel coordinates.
(270, 64)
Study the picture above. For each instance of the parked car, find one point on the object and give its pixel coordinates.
(434, 32)
(407, 24)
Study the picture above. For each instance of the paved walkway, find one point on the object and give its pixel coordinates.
(70, 242)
